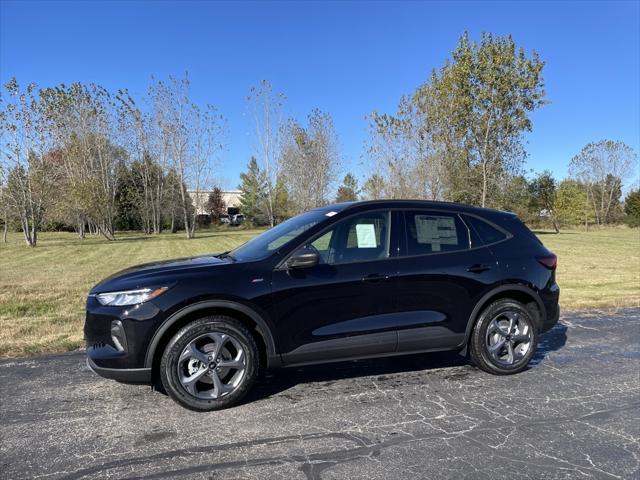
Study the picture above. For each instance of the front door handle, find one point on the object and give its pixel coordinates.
(375, 278)
(479, 268)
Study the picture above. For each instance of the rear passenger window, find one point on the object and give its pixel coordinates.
(434, 232)
(487, 233)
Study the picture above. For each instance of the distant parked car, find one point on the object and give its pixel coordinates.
(346, 281)
(225, 219)
(237, 219)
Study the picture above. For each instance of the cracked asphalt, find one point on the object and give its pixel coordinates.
(575, 413)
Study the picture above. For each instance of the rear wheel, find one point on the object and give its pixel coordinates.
(504, 338)
(210, 363)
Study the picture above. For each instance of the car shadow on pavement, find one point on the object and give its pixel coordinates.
(279, 380)
(551, 341)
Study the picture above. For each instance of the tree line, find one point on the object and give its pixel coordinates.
(539, 199)
(458, 137)
(83, 158)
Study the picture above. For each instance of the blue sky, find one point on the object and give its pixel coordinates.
(346, 58)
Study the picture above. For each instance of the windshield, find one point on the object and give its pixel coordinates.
(274, 238)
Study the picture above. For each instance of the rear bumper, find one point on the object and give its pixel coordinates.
(551, 321)
(551, 299)
(126, 375)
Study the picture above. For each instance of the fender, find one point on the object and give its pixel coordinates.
(483, 300)
(263, 329)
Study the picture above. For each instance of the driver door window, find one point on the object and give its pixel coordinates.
(361, 238)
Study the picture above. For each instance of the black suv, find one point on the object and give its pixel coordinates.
(346, 281)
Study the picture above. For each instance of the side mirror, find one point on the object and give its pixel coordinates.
(304, 257)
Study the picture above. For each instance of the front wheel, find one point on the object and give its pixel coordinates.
(504, 338)
(210, 363)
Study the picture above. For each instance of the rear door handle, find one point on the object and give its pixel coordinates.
(375, 278)
(479, 268)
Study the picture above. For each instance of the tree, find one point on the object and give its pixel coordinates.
(348, 191)
(603, 167)
(31, 173)
(128, 216)
(216, 205)
(253, 200)
(516, 197)
(80, 120)
(266, 109)
(572, 205)
(193, 135)
(310, 161)
(632, 208)
(281, 206)
(141, 132)
(149, 185)
(459, 136)
(494, 87)
(404, 153)
(543, 193)
(172, 202)
(374, 187)
(4, 205)
(614, 212)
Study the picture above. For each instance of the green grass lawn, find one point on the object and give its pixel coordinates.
(42, 290)
(599, 268)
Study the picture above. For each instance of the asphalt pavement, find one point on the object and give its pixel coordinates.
(575, 413)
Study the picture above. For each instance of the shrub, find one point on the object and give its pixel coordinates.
(632, 209)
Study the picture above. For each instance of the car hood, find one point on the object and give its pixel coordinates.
(148, 274)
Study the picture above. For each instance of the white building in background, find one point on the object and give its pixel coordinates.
(231, 200)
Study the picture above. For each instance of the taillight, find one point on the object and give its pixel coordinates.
(550, 261)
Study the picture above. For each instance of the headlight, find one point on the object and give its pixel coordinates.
(129, 297)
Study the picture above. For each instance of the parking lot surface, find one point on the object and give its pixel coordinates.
(575, 413)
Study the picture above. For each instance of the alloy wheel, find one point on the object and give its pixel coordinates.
(212, 365)
(509, 338)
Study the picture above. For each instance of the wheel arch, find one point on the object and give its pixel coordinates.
(254, 321)
(518, 292)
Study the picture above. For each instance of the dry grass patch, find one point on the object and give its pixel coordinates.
(43, 290)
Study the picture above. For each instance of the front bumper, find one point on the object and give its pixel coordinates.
(117, 339)
(126, 375)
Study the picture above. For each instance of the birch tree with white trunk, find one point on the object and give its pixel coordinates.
(310, 161)
(194, 137)
(266, 108)
(30, 172)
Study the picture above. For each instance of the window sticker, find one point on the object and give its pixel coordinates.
(330, 214)
(436, 231)
(366, 234)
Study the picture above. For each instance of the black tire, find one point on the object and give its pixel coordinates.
(170, 363)
(478, 343)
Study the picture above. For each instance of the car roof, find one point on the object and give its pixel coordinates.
(410, 203)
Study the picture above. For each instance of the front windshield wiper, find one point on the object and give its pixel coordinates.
(226, 255)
